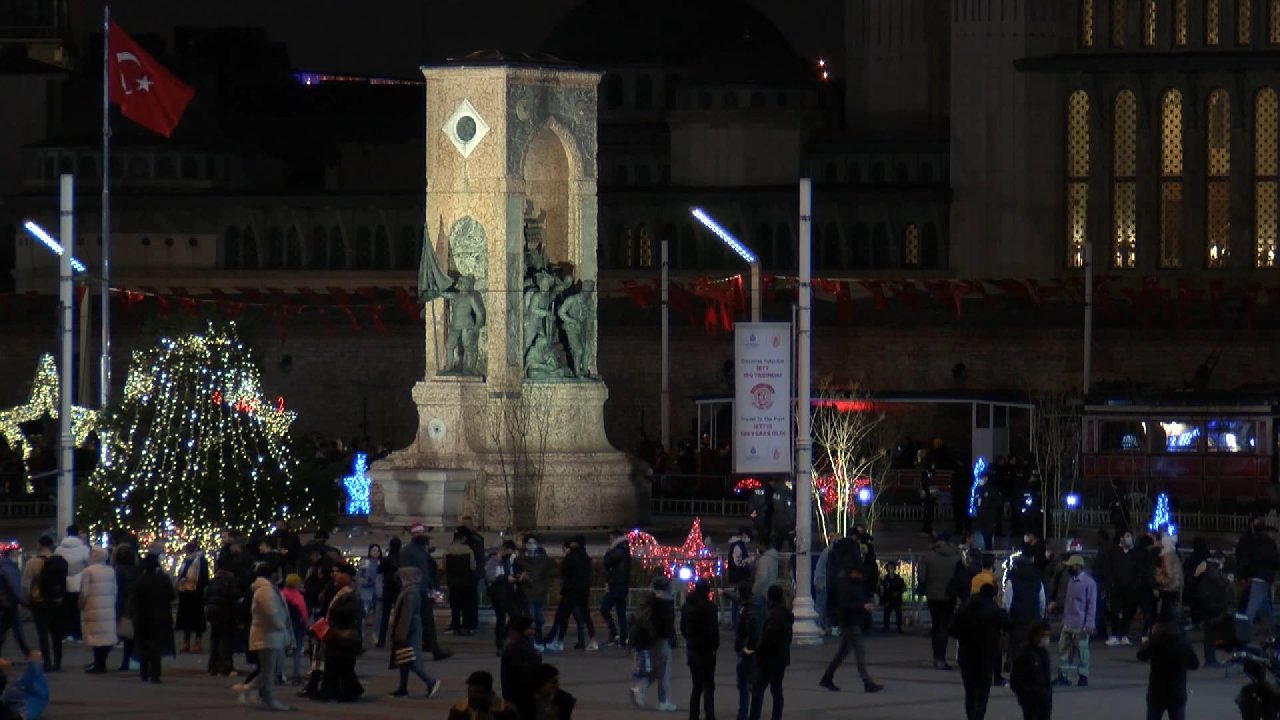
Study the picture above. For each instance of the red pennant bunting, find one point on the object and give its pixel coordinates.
(373, 308)
(876, 288)
(844, 302)
(642, 294)
(408, 305)
(161, 303)
(187, 302)
(905, 291)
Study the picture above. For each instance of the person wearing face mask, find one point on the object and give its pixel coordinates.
(1030, 676)
(1078, 620)
(1257, 560)
(1124, 600)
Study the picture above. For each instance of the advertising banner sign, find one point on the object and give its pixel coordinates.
(762, 422)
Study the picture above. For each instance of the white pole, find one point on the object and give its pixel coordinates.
(665, 410)
(1088, 317)
(755, 291)
(806, 630)
(104, 369)
(66, 446)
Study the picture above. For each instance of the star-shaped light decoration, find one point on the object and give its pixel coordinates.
(357, 485)
(44, 403)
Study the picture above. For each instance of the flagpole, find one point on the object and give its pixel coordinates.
(104, 380)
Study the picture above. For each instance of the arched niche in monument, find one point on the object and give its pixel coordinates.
(546, 177)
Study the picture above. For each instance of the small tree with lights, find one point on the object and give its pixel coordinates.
(851, 461)
(193, 447)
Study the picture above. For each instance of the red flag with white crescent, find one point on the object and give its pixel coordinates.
(146, 92)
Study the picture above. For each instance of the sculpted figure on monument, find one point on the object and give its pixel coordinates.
(577, 320)
(466, 317)
(539, 311)
(541, 362)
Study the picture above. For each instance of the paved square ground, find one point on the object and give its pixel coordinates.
(600, 681)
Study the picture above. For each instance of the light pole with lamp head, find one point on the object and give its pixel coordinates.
(66, 294)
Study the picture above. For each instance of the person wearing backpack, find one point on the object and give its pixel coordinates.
(44, 584)
(76, 554)
(653, 635)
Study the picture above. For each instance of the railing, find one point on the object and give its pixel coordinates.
(702, 508)
(26, 509)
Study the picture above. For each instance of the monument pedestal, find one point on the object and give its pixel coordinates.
(431, 497)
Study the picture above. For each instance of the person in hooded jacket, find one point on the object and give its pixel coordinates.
(76, 553)
(853, 600)
(977, 627)
(342, 644)
(153, 598)
(617, 578)
(125, 559)
(1124, 600)
(1024, 600)
(269, 636)
(773, 654)
(98, 608)
(1170, 654)
(936, 580)
(406, 634)
(700, 627)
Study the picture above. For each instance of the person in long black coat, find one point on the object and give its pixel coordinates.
(700, 626)
(389, 568)
(1171, 656)
(153, 598)
(343, 644)
(773, 654)
(977, 627)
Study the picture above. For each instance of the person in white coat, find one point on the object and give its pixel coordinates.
(269, 635)
(76, 553)
(98, 608)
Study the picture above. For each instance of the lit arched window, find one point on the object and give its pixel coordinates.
(622, 247)
(1265, 174)
(1119, 8)
(1273, 22)
(1218, 199)
(1148, 23)
(645, 245)
(1171, 202)
(1124, 171)
(1086, 23)
(911, 246)
(1211, 19)
(1244, 21)
(1077, 176)
(1180, 22)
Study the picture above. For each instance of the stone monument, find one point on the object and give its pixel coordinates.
(510, 408)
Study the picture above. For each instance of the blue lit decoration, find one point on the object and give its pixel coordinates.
(864, 495)
(1162, 516)
(979, 469)
(723, 234)
(1072, 501)
(1183, 440)
(357, 486)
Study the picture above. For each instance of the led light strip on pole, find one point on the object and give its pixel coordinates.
(743, 252)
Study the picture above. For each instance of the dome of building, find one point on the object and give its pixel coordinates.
(750, 60)
(664, 32)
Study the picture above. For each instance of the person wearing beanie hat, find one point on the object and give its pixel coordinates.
(549, 700)
(482, 701)
(296, 603)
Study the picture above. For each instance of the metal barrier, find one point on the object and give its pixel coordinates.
(27, 509)
(702, 508)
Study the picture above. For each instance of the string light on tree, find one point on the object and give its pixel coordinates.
(1162, 516)
(979, 470)
(357, 486)
(194, 448)
(687, 562)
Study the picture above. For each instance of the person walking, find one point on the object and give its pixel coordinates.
(617, 577)
(520, 660)
(1029, 678)
(127, 573)
(153, 598)
(296, 603)
(1211, 599)
(499, 571)
(1124, 591)
(535, 571)
(193, 579)
(406, 634)
(700, 628)
(977, 627)
(219, 609)
(75, 552)
(1106, 568)
(853, 607)
(746, 640)
(417, 554)
(1169, 652)
(370, 588)
(269, 636)
(44, 582)
(652, 637)
(575, 589)
(389, 569)
(98, 609)
(460, 576)
(1079, 613)
(773, 654)
(11, 600)
(1024, 601)
(936, 578)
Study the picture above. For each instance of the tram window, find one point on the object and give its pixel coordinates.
(1178, 436)
(1230, 436)
(1124, 436)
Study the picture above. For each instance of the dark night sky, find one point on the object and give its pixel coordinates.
(393, 37)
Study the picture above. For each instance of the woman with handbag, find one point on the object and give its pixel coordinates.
(126, 563)
(342, 643)
(193, 577)
(406, 633)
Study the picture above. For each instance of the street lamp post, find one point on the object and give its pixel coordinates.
(806, 630)
(743, 252)
(66, 301)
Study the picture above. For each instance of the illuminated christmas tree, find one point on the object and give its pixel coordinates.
(194, 448)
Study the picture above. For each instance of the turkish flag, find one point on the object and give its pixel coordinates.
(146, 92)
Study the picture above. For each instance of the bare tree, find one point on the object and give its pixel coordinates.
(1056, 434)
(849, 453)
(519, 425)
